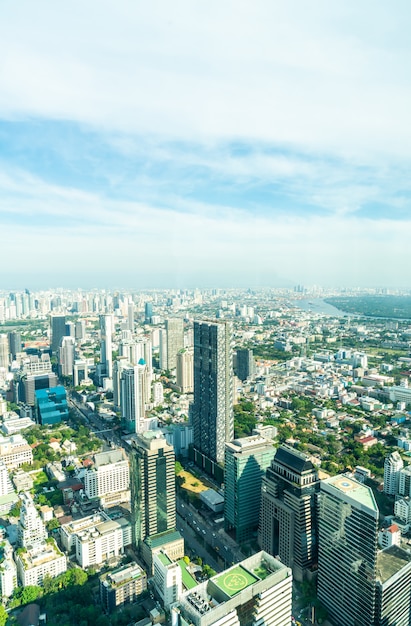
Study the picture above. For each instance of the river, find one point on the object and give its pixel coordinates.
(316, 305)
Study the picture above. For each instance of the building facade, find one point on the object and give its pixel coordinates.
(288, 514)
(108, 478)
(392, 467)
(246, 461)
(212, 410)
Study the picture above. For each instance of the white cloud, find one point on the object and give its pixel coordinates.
(320, 75)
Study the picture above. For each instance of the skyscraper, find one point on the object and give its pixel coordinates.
(288, 522)
(4, 351)
(58, 331)
(212, 410)
(347, 557)
(66, 354)
(175, 340)
(246, 461)
(106, 356)
(133, 392)
(14, 343)
(152, 482)
(244, 364)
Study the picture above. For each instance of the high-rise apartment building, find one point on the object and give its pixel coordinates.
(175, 340)
(392, 467)
(58, 331)
(152, 482)
(133, 394)
(288, 515)
(212, 410)
(347, 557)
(185, 371)
(246, 461)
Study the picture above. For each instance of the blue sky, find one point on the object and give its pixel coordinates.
(204, 143)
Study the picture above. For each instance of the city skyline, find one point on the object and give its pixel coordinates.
(204, 145)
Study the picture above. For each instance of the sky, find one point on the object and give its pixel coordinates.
(205, 143)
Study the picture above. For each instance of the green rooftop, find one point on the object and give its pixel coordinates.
(188, 581)
(235, 580)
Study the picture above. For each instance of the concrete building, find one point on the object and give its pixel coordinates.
(390, 536)
(15, 451)
(212, 410)
(348, 529)
(167, 579)
(133, 393)
(34, 382)
(43, 559)
(175, 340)
(4, 352)
(246, 461)
(80, 371)
(122, 586)
(254, 592)
(14, 343)
(392, 466)
(288, 514)
(393, 584)
(95, 538)
(106, 346)
(185, 371)
(8, 571)
(108, 478)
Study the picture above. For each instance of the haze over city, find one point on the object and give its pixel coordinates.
(204, 144)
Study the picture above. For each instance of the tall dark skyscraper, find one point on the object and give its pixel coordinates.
(14, 343)
(58, 331)
(288, 521)
(212, 411)
(245, 364)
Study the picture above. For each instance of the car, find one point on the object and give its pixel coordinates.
(203, 531)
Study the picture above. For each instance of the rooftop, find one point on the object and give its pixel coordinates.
(295, 460)
(390, 561)
(354, 490)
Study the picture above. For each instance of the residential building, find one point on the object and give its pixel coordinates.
(108, 478)
(8, 571)
(4, 351)
(212, 410)
(106, 347)
(31, 529)
(392, 466)
(122, 586)
(133, 392)
(246, 461)
(254, 592)
(288, 514)
(43, 559)
(390, 536)
(175, 340)
(348, 529)
(185, 371)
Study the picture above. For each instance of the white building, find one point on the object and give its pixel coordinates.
(133, 393)
(185, 371)
(109, 478)
(43, 559)
(8, 571)
(167, 579)
(392, 466)
(96, 538)
(158, 393)
(402, 510)
(66, 356)
(15, 451)
(390, 536)
(31, 529)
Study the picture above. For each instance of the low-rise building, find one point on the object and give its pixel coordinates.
(122, 586)
(167, 579)
(15, 451)
(96, 538)
(43, 559)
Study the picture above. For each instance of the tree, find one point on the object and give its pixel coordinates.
(3, 615)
